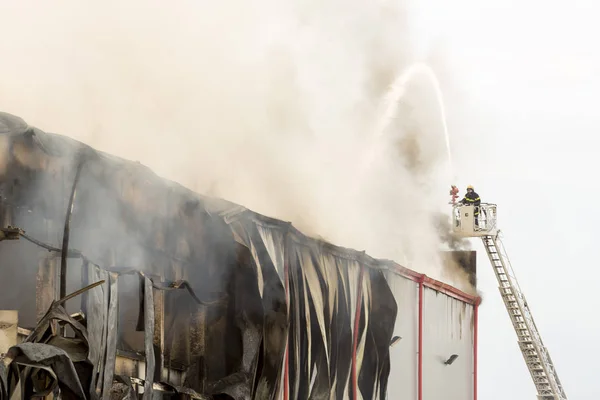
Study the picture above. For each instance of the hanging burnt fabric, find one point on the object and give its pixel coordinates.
(376, 326)
(263, 257)
(102, 320)
(274, 285)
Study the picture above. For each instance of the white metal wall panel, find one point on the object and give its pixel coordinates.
(447, 330)
(402, 382)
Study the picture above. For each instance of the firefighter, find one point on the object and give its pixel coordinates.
(472, 199)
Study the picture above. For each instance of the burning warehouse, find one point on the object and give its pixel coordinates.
(119, 284)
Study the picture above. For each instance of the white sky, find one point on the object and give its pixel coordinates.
(528, 78)
(529, 71)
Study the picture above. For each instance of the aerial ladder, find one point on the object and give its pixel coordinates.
(466, 224)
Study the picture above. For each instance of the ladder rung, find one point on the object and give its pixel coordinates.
(529, 341)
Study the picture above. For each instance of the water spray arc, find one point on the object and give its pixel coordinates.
(397, 92)
(389, 107)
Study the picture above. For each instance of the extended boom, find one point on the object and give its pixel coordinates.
(467, 223)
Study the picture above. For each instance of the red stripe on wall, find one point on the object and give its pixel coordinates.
(475, 345)
(356, 327)
(420, 343)
(286, 366)
(435, 284)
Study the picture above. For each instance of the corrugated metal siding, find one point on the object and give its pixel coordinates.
(403, 356)
(447, 330)
(340, 310)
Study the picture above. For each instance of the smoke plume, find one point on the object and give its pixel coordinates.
(266, 103)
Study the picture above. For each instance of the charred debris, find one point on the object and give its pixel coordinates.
(121, 285)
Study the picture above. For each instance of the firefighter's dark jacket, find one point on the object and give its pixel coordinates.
(472, 199)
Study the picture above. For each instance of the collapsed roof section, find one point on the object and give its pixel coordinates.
(256, 285)
(139, 201)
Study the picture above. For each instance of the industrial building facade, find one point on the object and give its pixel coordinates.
(436, 322)
(178, 294)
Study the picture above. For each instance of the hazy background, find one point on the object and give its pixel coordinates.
(269, 104)
(272, 104)
(529, 73)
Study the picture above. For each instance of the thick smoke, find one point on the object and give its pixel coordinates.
(3, 154)
(443, 225)
(266, 103)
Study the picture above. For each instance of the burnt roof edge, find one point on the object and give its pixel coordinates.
(232, 211)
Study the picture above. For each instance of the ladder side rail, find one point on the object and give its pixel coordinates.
(490, 244)
(546, 355)
(512, 284)
(517, 289)
(549, 367)
(560, 386)
(527, 321)
(548, 360)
